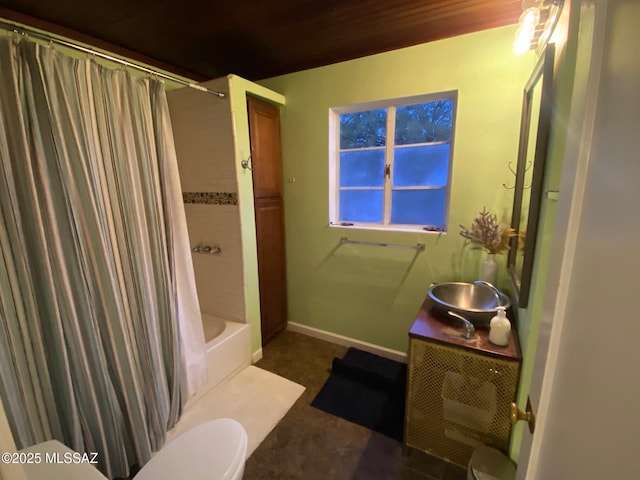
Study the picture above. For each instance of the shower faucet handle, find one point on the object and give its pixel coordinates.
(207, 248)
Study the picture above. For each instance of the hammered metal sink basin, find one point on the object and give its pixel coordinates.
(477, 303)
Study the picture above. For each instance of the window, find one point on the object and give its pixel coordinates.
(391, 163)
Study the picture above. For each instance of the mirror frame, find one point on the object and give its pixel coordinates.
(543, 72)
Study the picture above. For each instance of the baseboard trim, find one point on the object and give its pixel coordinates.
(347, 341)
(256, 356)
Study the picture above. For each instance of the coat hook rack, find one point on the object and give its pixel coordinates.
(514, 174)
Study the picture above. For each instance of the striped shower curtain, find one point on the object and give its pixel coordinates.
(95, 275)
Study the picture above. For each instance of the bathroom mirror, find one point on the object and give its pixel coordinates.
(537, 106)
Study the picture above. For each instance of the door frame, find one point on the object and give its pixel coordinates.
(566, 228)
(239, 88)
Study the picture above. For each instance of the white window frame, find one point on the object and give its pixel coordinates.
(334, 161)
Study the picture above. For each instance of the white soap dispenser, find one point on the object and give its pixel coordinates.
(499, 328)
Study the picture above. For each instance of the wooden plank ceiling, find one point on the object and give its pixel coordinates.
(257, 39)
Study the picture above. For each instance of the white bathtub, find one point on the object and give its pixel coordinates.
(212, 326)
(227, 353)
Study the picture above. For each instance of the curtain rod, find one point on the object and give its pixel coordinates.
(49, 38)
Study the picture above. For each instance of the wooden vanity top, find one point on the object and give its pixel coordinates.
(430, 325)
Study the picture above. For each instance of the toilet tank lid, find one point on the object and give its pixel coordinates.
(212, 450)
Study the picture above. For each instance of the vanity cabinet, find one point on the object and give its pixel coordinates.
(459, 390)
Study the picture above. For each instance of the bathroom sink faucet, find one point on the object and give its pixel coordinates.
(495, 291)
(469, 329)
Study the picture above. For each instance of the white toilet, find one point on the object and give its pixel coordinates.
(215, 450)
(487, 463)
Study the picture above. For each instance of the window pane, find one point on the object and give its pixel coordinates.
(361, 206)
(419, 207)
(362, 168)
(421, 166)
(363, 129)
(424, 122)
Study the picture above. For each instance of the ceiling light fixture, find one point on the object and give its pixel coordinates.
(537, 21)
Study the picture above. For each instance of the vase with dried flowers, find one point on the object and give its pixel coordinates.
(487, 234)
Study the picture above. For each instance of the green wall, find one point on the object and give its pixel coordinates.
(371, 293)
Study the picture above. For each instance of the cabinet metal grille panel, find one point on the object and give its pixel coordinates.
(457, 400)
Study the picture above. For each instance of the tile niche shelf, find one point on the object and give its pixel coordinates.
(458, 390)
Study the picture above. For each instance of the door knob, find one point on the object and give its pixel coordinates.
(527, 415)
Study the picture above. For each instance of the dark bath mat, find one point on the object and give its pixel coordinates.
(368, 390)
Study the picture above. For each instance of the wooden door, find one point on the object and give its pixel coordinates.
(264, 126)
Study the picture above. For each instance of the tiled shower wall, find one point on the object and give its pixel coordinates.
(203, 133)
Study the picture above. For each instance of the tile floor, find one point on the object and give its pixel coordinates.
(309, 444)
